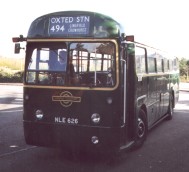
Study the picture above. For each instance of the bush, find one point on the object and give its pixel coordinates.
(184, 78)
(11, 77)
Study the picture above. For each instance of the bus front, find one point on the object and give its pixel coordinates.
(72, 87)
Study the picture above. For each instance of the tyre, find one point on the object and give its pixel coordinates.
(142, 129)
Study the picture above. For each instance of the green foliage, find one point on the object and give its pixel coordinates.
(11, 70)
(184, 69)
(11, 77)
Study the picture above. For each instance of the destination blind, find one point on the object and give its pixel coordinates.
(76, 25)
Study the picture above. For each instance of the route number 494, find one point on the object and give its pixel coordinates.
(57, 28)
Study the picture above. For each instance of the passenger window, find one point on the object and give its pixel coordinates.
(159, 65)
(151, 65)
(140, 60)
(175, 64)
(170, 65)
(151, 61)
(165, 65)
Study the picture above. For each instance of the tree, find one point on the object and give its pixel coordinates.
(187, 63)
(184, 68)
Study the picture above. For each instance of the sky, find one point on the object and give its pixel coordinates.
(163, 24)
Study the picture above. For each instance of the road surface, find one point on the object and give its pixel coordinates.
(165, 150)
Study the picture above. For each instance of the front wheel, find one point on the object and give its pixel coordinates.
(142, 129)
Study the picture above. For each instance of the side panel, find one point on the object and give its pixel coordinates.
(155, 84)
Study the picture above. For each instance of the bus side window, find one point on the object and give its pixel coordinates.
(165, 65)
(159, 65)
(170, 65)
(151, 55)
(175, 64)
(140, 60)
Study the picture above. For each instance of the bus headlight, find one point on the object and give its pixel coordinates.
(39, 114)
(95, 118)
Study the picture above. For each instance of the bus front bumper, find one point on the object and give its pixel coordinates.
(71, 137)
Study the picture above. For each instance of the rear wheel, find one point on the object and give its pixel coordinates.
(142, 129)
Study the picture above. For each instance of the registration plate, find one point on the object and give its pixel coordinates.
(66, 120)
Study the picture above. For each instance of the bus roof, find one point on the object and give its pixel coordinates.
(75, 24)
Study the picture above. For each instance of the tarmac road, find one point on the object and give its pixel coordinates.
(165, 150)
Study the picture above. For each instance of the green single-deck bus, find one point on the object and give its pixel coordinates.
(90, 87)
